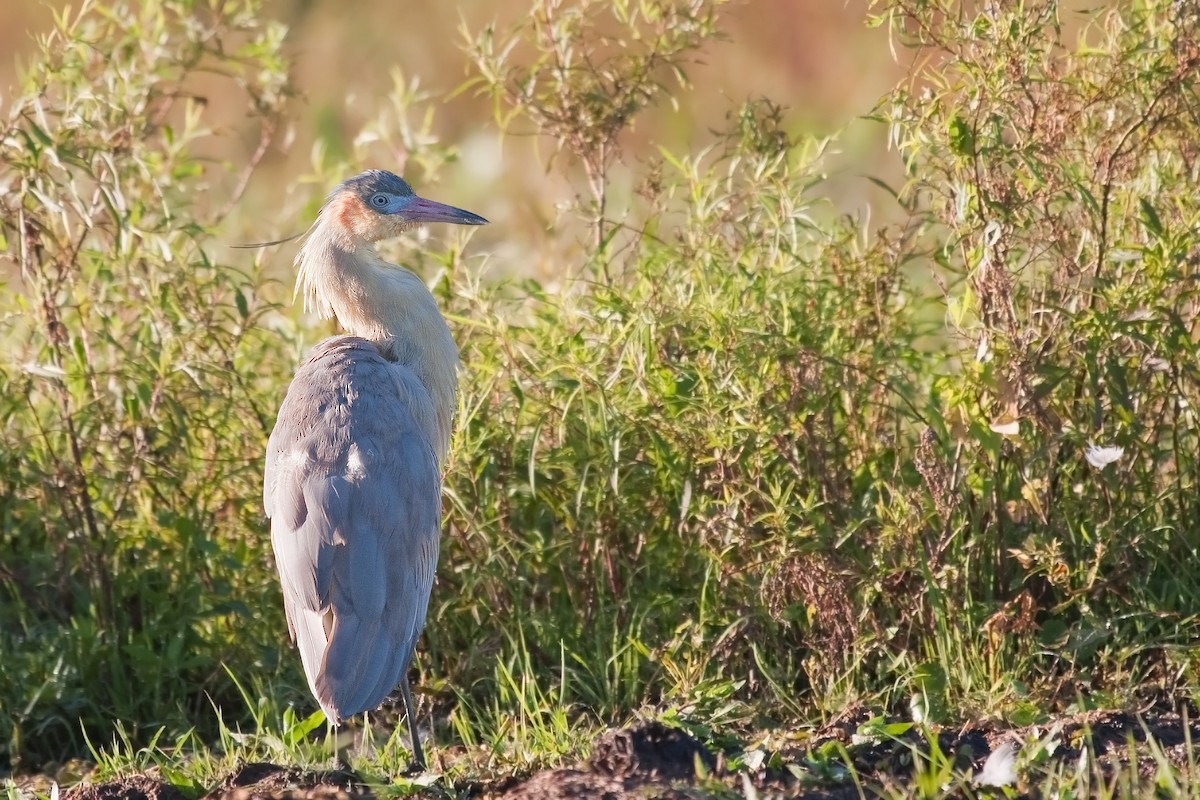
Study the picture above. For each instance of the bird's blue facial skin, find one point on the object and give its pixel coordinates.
(384, 203)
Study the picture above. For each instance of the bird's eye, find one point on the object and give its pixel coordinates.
(379, 200)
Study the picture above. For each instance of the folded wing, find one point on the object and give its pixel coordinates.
(353, 491)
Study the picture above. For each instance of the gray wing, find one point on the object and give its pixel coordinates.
(354, 495)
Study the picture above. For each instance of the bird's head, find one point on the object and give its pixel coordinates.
(377, 205)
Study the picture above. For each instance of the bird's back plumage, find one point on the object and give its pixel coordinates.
(353, 493)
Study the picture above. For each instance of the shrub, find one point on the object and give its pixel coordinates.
(137, 384)
(1052, 161)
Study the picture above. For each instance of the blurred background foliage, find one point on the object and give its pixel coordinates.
(814, 58)
(769, 414)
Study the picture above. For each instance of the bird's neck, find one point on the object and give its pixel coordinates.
(387, 305)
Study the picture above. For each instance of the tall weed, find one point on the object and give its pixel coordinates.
(137, 381)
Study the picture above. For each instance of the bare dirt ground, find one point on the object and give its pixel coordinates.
(651, 760)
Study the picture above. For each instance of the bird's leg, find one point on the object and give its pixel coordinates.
(366, 746)
(338, 747)
(410, 712)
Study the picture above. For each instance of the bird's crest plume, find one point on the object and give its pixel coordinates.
(364, 184)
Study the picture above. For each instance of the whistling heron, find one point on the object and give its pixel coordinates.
(354, 466)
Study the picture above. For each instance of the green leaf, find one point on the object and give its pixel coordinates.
(961, 136)
(1149, 218)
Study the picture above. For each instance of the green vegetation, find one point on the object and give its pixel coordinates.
(137, 384)
(753, 466)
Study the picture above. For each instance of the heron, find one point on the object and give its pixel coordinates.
(354, 465)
